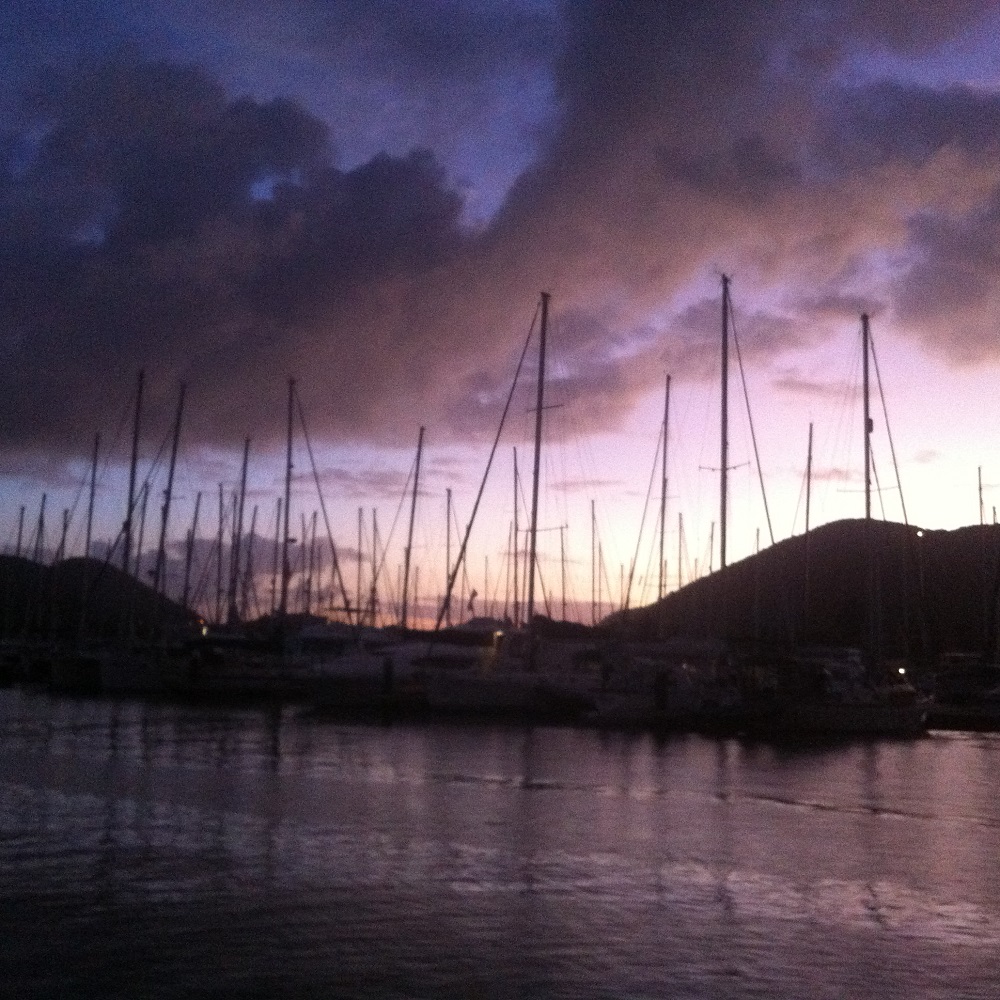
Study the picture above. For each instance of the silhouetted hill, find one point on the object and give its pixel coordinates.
(915, 592)
(83, 598)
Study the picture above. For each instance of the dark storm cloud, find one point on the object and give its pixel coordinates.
(745, 169)
(951, 295)
(448, 40)
(713, 135)
(948, 292)
(150, 218)
(890, 122)
(150, 221)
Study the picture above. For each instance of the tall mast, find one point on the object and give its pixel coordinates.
(373, 603)
(61, 551)
(409, 541)
(310, 578)
(870, 604)
(517, 543)
(158, 571)
(218, 558)
(600, 571)
(724, 463)
(663, 494)
(87, 537)
(868, 420)
(447, 552)
(246, 584)
(562, 563)
(506, 582)
(361, 514)
(233, 613)
(285, 568)
(533, 552)
(144, 499)
(303, 566)
(40, 533)
(680, 548)
(809, 467)
(189, 554)
(20, 532)
(277, 556)
(127, 550)
(93, 491)
(593, 565)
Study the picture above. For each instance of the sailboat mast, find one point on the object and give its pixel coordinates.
(865, 348)
(93, 492)
(593, 564)
(40, 532)
(285, 568)
(249, 572)
(409, 540)
(311, 570)
(189, 554)
(361, 515)
(87, 537)
(20, 532)
(447, 551)
(218, 557)
(373, 602)
(277, 556)
(809, 469)
(517, 536)
(127, 549)
(61, 551)
(724, 462)
(161, 550)
(562, 563)
(539, 401)
(680, 548)
(234, 561)
(144, 499)
(663, 494)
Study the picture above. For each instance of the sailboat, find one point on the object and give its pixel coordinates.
(517, 672)
(843, 692)
(681, 683)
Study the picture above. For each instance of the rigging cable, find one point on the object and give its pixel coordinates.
(753, 435)
(888, 430)
(642, 524)
(446, 603)
(326, 519)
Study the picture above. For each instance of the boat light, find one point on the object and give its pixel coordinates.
(902, 670)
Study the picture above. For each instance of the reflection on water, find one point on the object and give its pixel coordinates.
(150, 850)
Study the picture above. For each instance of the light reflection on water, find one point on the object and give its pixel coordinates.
(171, 851)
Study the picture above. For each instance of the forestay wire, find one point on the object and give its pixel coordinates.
(753, 434)
(460, 558)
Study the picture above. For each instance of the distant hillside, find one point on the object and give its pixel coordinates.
(915, 592)
(83, 597)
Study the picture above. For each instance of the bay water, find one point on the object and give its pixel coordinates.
(155, 850)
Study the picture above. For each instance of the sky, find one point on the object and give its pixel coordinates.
(369, 197)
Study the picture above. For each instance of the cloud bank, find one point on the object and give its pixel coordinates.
(153, 216)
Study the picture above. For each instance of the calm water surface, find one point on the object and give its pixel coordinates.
(164, 851)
